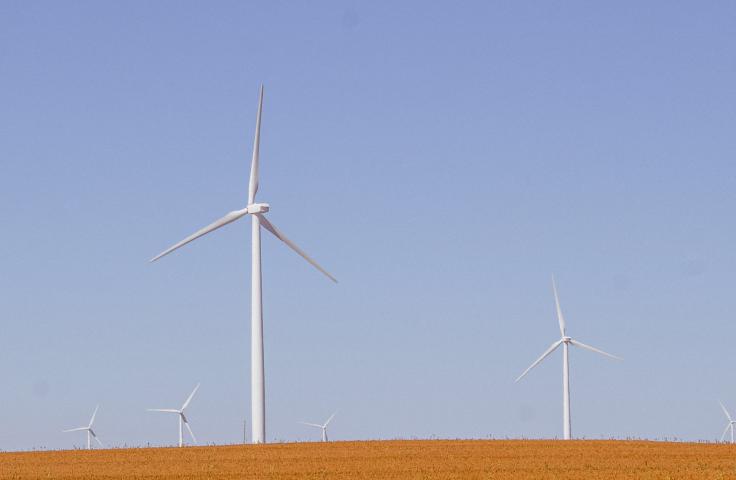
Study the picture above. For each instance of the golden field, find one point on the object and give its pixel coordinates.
(421, 459)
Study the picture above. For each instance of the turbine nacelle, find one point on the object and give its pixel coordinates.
(566, 339)
(254, 208)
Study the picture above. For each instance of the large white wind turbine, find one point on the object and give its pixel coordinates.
(565, 341)
(257, 211)
(323, 426)
(729, 425)
(182, 418)
(90, 433)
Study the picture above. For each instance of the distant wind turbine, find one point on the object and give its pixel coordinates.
(323, 426)
(90, 433)
(565, 341)
(182, 418)
(730, 423)
(257, 212)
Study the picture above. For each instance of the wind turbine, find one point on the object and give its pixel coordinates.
(182, 417)
(257, 211)
(565, 341)
(90, 433)
(323, 427)
(730, 423)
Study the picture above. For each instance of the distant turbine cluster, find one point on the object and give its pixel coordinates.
(258, 212)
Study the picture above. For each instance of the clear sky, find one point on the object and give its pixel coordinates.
(442, 159)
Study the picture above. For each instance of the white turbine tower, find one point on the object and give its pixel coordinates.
(90, 433)
(565, 341)
(182, 418)
(257, 211)
(729, 425)
(323, 427)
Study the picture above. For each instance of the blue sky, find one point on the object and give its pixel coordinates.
(443, 161)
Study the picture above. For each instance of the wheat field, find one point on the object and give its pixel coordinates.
(422, 459)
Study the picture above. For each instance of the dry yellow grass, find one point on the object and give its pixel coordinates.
(431, 459)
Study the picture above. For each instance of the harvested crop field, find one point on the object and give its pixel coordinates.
(427, 459)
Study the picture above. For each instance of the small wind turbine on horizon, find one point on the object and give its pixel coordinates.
(323, 426)
(182, 418)
(90, 433)
(565, 341)
(257, 212)
(730, 423)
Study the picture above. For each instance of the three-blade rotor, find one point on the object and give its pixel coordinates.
(323, 427)
(252, 208)
(88, 428)
(564, 338)
(180, 412)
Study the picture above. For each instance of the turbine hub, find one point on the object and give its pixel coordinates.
(566, 339)
(258, 208)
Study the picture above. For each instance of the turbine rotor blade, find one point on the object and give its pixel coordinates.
(229, 218)
(725, 411)
(330, 419)
(92, 420)
(593, 349)
(544, 355)
(97, 440)
(277, 233)
(189, 399)
(167, 410)
(560, 317)
(253, 182)
(311, 424)
(725, 431)
(186, 424)
(76, 429)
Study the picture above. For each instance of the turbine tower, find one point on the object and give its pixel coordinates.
(182, 418)
(90, 433)
(323, 427)
(257, 212)
(565, 341)
(729, 425)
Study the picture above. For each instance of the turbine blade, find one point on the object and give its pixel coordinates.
(560, 318)
(277, 233)
(544, 355)
(189, 399)
(311, 424)
(229, 218)
(726, 430)
(725, 411)
(186, 424)
(593, 349)
(167, 410)
(76, 429)
(330, 419)
(98, 440)
(92, 420)
(253, 183)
